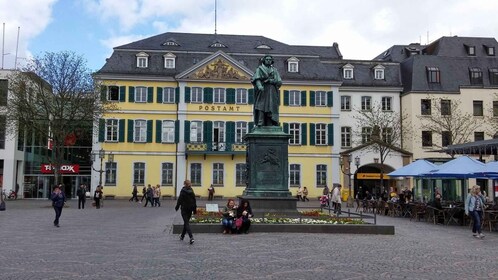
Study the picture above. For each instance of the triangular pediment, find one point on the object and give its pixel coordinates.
(218, 66)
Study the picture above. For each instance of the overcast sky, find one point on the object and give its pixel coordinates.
(362, 28)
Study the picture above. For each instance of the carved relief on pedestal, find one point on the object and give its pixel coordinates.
(218, 70)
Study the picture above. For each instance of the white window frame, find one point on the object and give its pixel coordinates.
(142, 60)
(111, 169)
(295, 175)
(321, 174)
(196, 131)
(240, 131)
(196, 95)
(293, 65)
(139, 169)
(379, 72)
(241, 96)
(346, 135)
(219, 95)
(111, 130)
(140, 131)
(167, 131)
(295, 132)
(387, 103)
(220, 144)
(320, 98)
(140, 94)
(366, 103)
(348, 72)
(112, 96)
(193, 176)
(366, 134)
(294, 98)
(169, 61)
(320, 134)
(345, 103)
(167, 173)
(169, 95)
(218, 173)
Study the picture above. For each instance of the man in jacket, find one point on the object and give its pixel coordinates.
(187, 202)
(81, 193)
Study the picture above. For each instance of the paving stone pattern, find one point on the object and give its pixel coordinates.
(124, 240)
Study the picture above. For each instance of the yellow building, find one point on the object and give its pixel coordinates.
(185, 103)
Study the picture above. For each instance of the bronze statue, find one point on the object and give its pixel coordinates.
(266, 82)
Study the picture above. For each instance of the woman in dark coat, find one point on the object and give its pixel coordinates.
(186, 200)
(58, 199)
(244, 211)
(97, 196)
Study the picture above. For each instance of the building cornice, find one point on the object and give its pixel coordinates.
(371, 89)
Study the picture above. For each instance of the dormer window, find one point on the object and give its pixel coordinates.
(170, 43)
(490, 50)
(293, 65)
(169, 61)
(475, 74)
(471, 50)
(217, 44)
(142, 60)
(379, 72)
(347, 71)
(263, 46)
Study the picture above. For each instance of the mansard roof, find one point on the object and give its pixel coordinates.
(364, 73)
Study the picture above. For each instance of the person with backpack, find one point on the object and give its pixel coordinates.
(188, 204)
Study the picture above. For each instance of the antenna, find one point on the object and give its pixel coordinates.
(215, 8)
(17, 47)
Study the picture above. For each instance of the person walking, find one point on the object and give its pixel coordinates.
(58, 200)
(144, 194)
(305, 194)
(134, 194)
(474, 207)
(157, 196)
(81, 193)
(211, 192)
(97, 196)
(299, 194)
(149, 194)
(326, 192)
(187, 202)
(336, 199)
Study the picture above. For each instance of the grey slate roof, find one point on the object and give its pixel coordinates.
(364, 73)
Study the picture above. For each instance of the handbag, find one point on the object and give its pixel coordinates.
(238, 222)
(2, 206)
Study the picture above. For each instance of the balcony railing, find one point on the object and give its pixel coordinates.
(215, 147)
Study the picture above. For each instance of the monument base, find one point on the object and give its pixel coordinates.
(282, 206)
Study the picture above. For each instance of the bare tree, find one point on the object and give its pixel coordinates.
(380, 131)
(53, 96)
(449, 121)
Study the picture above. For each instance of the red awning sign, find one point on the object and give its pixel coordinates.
(65, 169)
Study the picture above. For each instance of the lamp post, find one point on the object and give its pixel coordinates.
(100, 171)
(347, 171)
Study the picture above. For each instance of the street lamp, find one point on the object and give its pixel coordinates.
(100, 171)
(346, 170)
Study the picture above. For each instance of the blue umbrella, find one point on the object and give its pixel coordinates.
(461, 167)
(413, 169)
(490, 169)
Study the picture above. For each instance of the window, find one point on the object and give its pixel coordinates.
(168, 132)
(195, 174)
(345, 136)
(3, 129)
(425, 107)
(347, 71)
(366, 133)
(445, 107)
(294, 98)
(168, 95)
(478, 108)
(386, 103)
(490, 50)
(471, 50)
(169, 61)
(4, 88)
(426, 139)
(366, 103)
(240, 131)
(240, 174)
(446, 138)
(196, 95)
(321, 175)
(478, 136)
(219, 136)
(196, 131)
(241, 96)
(139, 173)
(111, 130)
(321, 134)
(293, 65)
(387, 135)
(110, 173)
(140, 131)
(320, 98)
(142, 60)
(379, 72)
(113, 93)
(345, 103)
(167, 174)
(140, 94)
(295, 175)
(495, 108)
(217, 173)
(219, 95)
(493, 76)
(475, 76)
(295, 132)
(433, 75)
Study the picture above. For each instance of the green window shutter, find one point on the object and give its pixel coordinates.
(131, 94)
(230, 96)
(149, 131)
(186, 133)
(250, 94)
(150, 94)
(187, 94)
(329, 99)
(286, 98)
(286, 127)
(122, 94)
(130, 130)
(159, 126)
(304, 134)
(230, 132)
(177, 95)
(208, 95)
(303, 98)
(330, 134)
(177, 131)
(159, 95)
(312, 134)
(101, 130)
(207, 130)
(103, 93)
(121, 130)
(312, 98)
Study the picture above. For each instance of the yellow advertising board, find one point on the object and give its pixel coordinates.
(370, 176)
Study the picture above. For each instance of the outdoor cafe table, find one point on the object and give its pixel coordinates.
(450, 214)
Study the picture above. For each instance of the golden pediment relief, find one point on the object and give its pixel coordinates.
(218, 70)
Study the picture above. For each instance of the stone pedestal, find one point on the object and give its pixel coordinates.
(268, 171)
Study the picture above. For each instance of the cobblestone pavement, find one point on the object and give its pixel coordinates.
(124, 240)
